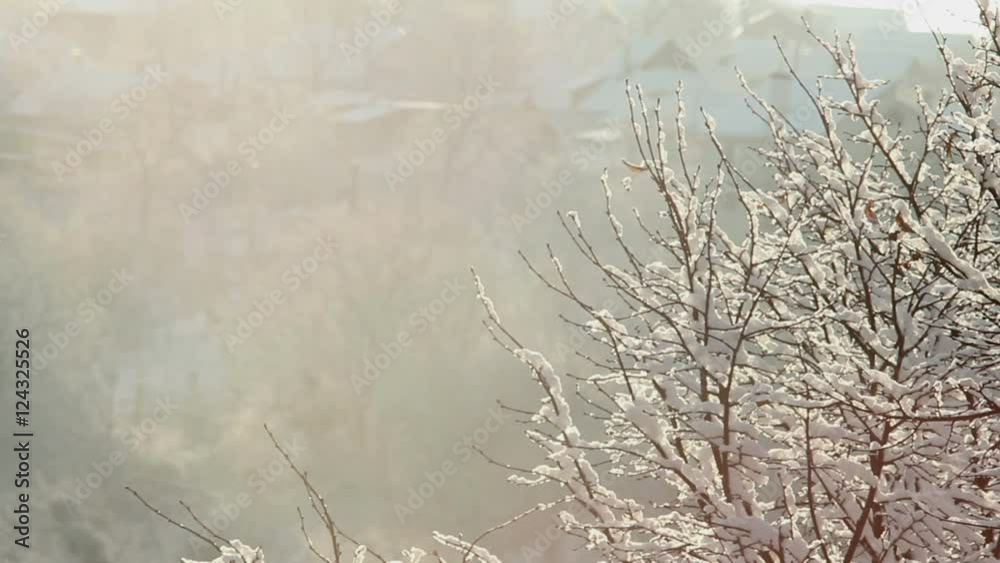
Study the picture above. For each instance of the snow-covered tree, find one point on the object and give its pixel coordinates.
(824, 386)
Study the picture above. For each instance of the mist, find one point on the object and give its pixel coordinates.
(228, 214)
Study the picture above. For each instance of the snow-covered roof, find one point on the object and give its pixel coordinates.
(770, 21)
(118, 7)
(373, 110)
(42, 43)
(953, 17)
(660, 52)
(71, 89)
(335, 98)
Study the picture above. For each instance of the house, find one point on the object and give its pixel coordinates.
(707, 63)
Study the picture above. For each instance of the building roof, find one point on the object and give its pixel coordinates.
(72, 89)
(337, 99)
(377, 109)
(119, 7)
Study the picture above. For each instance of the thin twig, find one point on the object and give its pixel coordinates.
(172, 521)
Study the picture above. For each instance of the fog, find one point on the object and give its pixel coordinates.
(224, 214)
